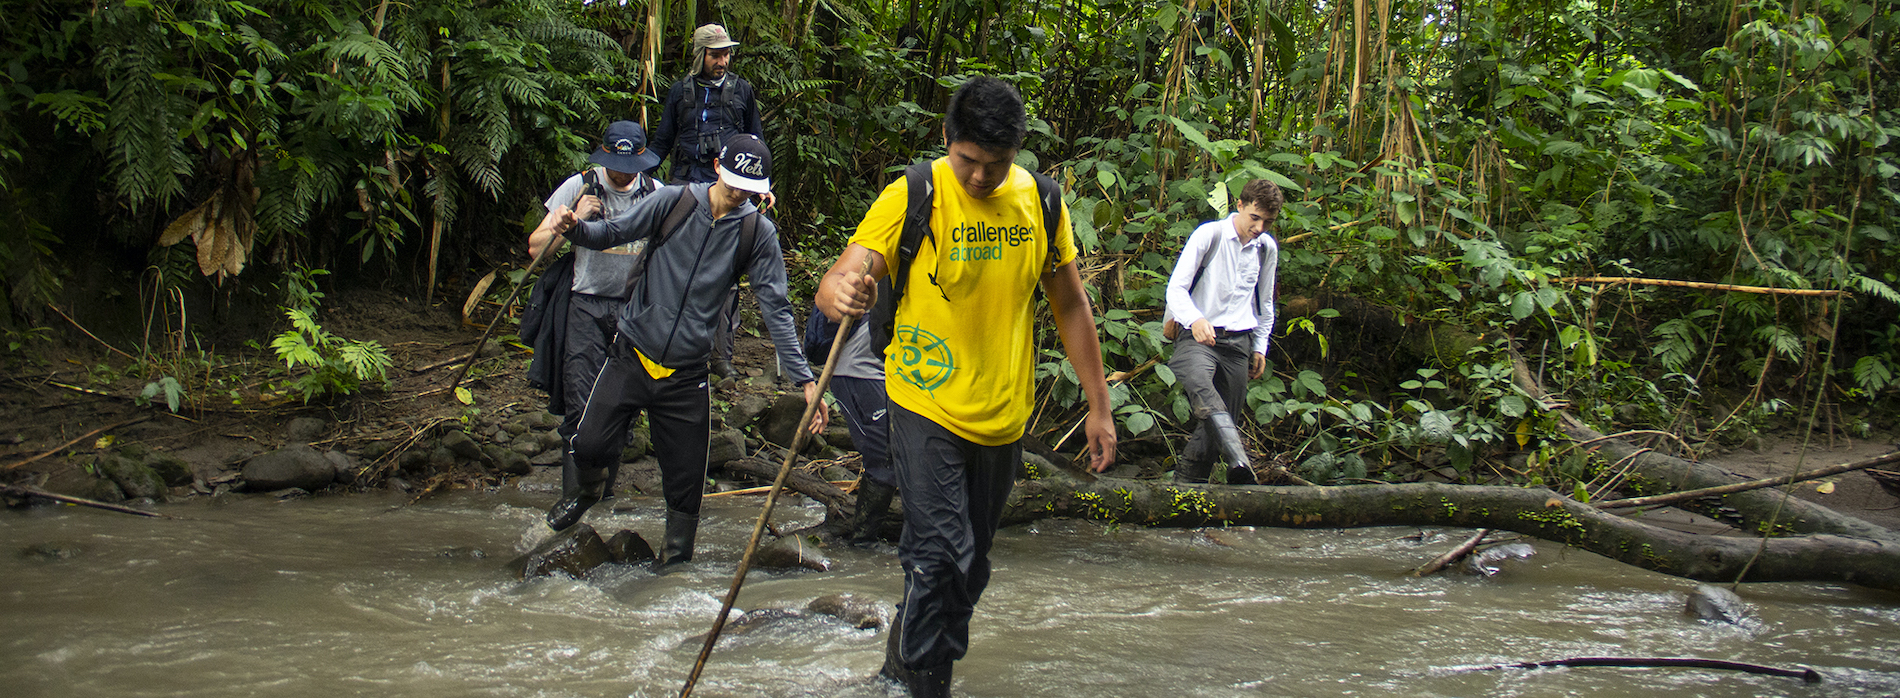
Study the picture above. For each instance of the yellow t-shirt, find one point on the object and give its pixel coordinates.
(963, 354)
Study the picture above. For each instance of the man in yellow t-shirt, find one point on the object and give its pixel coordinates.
(960, 366)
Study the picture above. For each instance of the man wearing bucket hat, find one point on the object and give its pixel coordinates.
(599, 285)
(702, 111)
(700, 239)
(705, 108)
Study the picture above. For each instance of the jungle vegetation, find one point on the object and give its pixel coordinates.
(1471, 187)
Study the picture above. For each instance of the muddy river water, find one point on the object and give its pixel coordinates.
(353, 595)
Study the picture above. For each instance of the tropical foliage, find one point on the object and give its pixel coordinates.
(1490, 187)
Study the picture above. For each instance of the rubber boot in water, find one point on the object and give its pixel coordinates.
(933, 682)
(1239, 463)
(571, 507)
(874, 499)
(894, 669)
(681, 528)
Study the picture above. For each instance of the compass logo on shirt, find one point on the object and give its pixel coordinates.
(923, 359)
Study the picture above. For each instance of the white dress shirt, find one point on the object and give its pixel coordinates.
(1225, 296)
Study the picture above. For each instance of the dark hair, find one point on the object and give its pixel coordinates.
(1262, 193)
(987, 112)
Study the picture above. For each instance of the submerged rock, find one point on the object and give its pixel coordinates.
(1717, 605)
(856, 611)
(789, 553)
(50, 552)
(574, 551)
(747, 623)
(628, 547)
(1482, 562)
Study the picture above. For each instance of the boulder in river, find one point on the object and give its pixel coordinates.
(1717, 605)
(297, 465)
(856, 611)
(574, 551)
(791, 552)
(628, 547)
(462, 445)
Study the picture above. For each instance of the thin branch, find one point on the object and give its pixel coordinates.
(81, 501)
(1663, 499)
(1613, 280)
(1445, 560)
(82, 328)
(82, 437)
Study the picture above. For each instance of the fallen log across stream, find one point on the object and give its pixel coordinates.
(1868, 561)
(1872, 561)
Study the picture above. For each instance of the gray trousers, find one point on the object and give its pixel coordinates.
(1215, 380)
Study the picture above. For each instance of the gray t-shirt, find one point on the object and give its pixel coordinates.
(604, 272)
(857, 360)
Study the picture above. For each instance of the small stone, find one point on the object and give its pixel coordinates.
(516, 428)
(174, 470)
(552, 441)
(345, 466)
(413, 462)
(441, 459)
(303, 430)
(525, 447)
(726, 447)
(747, 409)
(546, 458)
(638, 443)
(462, 445)
(375, 450)
(507, 461)
(839, 436)
(501, 437)
(544, 420)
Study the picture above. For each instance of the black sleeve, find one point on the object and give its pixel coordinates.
(668, 132)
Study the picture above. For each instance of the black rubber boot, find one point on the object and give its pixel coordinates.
(1239, 462)
(677, 547)
(1189, 473)
(874, 499)
(893, 666)
(569, 510)
(933, 682)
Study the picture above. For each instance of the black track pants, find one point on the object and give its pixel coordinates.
(678, 416)
(954, 493)
(866, 414)
(1215, 380)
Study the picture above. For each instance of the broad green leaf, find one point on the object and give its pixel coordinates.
(1436, 426)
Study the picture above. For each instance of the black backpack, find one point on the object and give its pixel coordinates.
(676, 217)
(921, 200)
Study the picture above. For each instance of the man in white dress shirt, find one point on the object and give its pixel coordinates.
(1222, 292)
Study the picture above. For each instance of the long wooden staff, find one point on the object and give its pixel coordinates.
(547, 253)
(771, 499)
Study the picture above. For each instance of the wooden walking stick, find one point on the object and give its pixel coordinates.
(771, 499)
(547, 253)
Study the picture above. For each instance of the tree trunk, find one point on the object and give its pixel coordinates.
(1756, 510)
(1872, 561)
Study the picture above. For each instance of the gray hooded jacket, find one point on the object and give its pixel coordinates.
(671, 311)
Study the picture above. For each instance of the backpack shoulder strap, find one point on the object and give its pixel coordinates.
(921, 199)
(1049, 194)
(748, 239)
(1206, 256)
(675, 217)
